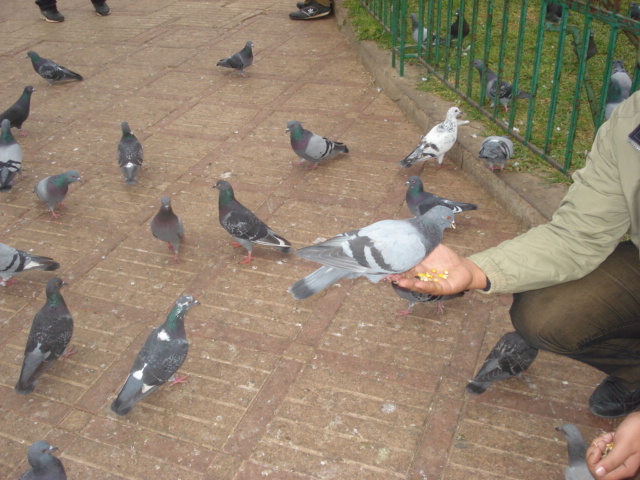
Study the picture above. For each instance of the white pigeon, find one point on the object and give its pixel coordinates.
(438, 141)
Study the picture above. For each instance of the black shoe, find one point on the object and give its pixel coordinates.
(611, 400)
(299, 5)
(52, 15)
(310, 11)
(102, 9)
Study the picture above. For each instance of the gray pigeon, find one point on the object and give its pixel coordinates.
(497, 150)
(619, 88)
(19, 111)
(10, 157)
(554, 12)
(414, 297)
(634, 11)
(52, 190)
(245, 228)
(592, 48)
(13, 261)
(577, 447)
(415, 30)
(375, 251)
(49, 336)
(50, 70)
(240, 60)
(129, 155)
(420, 202)
(167, 226)
(438, 141)
(159, 359)
(312, 147)
(505, 93)
(44, 466)
(510, 357)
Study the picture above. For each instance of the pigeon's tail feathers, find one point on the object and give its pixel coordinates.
(340, 147)
(130, 172)
(24, 388)
(6, 180)
(477, 388)
(316, 281)
(130, 394)
(41, 263)
(285, 249)
(523, 94)
(417, 155)
(120, 407)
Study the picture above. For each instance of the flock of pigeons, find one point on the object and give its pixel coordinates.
(377, 252)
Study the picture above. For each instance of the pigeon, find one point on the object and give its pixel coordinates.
(375, 251)
(420, 202)
(497, 150)
(505, 95)
(167, 226)
(634, 11)
(454, 29)
(10, 157)
(50, 70)
(52, 190)
(129, 155)
(312, 147)
(49, 336)
(554, 12)
(592, 48)
(243, 225)
(414, 297)
(415, 30)
(19, 111)
(13, 261)
(577, 447)
(510, 357)
(240, 60)
(161, 356)
(437, 141)
(44, 466)
(619, 88)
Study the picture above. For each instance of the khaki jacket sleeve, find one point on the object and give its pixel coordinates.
(589, 223)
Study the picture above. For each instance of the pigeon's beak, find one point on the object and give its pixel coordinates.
(453, 224)
(407, 182)
(196, 302)
(52, 448)
(287, 131)
(62, 285)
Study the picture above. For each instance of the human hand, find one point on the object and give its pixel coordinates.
(623, 461)
(461, 274)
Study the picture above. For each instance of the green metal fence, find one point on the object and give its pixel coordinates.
(548, 59)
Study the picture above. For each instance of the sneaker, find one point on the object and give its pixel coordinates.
(299, 5)
(610, 399)
(310, 11)
(52, 15)
(102, 9)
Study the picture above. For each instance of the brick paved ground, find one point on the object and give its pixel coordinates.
(334, 387)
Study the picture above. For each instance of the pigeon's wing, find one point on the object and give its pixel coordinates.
(234, 61)
(242, 224)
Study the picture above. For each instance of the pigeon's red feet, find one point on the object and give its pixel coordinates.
(404, 313)
(297, 163)
(313, 166)
(69, 351)
(235, 244)
(175, 257)
(439, 308)
(177, 379)
(8, 283)
(170, 247)
(54, 214)
(247, 260)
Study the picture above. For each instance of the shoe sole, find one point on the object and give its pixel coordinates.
(105, 15)
(313, 17)
(50, 20)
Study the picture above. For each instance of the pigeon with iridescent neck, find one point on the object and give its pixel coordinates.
(311, 147)
(243, 225)
(50, 70)
(44, 466)
(10, 157)
(49, 336)
(168, 227)
(53, 190)
(129, 155)
(19, 111)
(161, 356)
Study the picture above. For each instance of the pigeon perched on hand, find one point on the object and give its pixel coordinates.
(577, 448)
(240, 60)
(167, 226)
(14, 261)
(129, 155)
(509, 358)
(505, 93)
(619, 88)
(414, 297)
(375, 251)
(592, 48)
(53, 190)
(10, 157)
(50, 70)
(245, 228)
(312, 147)
(49, 336)
(44, 466)
(496, 150)
(161, 356)
(19, 111)
(437, 141)
(420, 202)
(415, 30)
